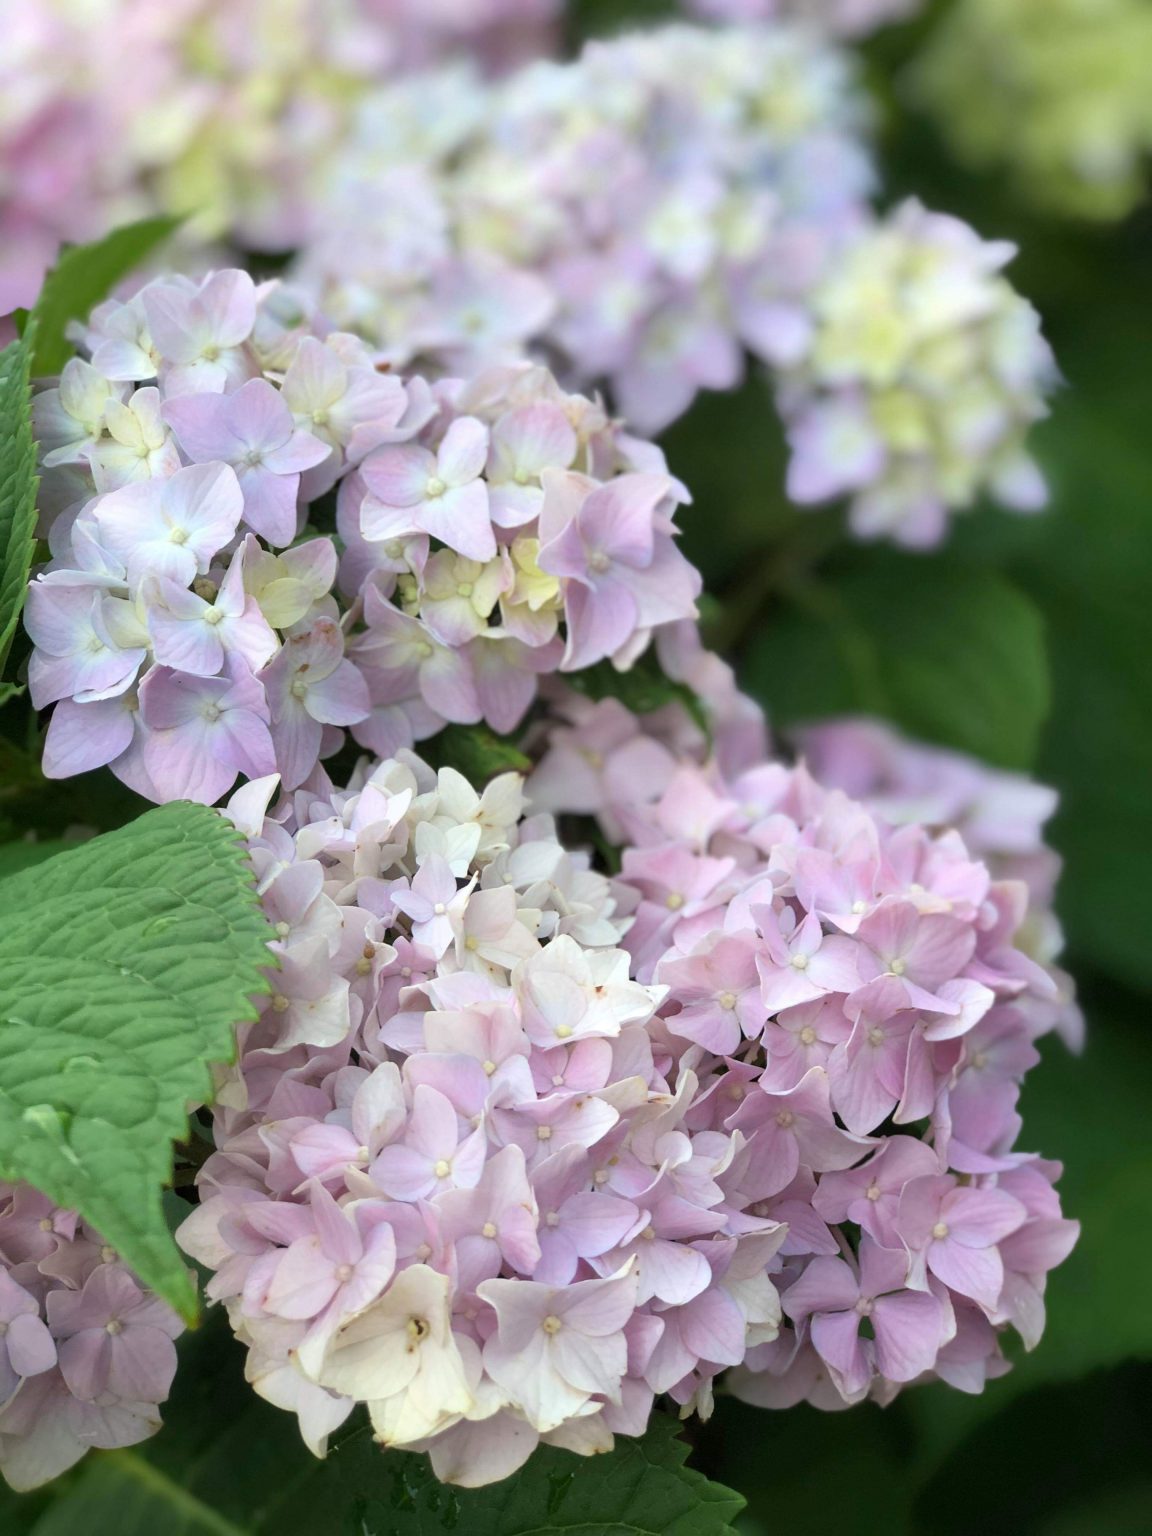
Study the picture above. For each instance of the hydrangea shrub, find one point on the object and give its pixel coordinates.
(557, 1048)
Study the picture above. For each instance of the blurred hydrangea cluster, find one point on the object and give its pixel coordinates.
(641, 218)
(1056, 91)
(644, 211)
(229, 104)
(86, 1355)
(839, 18)
(853, 999)
(650, 213)
(925, 371)
(186, 627)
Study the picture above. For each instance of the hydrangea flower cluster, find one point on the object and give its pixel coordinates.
(924, 373)
(86, 1355)
(461, 1174)
(851, 997)
(646, 211)
(1056, 91)
(652, 211)
(231, 107)
(186, 629)
(839, 18)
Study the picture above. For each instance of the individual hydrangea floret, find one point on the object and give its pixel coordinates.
(1054, 91)
(186, 628)
(924, 372)
(461, 1174)
(854, 1001)
(86, 1354)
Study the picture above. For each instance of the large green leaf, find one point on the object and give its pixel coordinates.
(229, 1465)
(83, 276)
(17, 487)
(124, 966)
(952, 653)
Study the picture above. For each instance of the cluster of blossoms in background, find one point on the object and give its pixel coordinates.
(852, 997)
(674, 195)
(641, 218)
(86, 1355)
(229, 104)
(651, 212)
(925, 372)
(491, 531)
(1056, 91)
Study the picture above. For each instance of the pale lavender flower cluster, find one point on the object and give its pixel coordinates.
(185, 628)
(645, 212)
(667, 203)
(924, 372)
(853, 1000)
(839, 18)
(461, 1175)
(86, 1355)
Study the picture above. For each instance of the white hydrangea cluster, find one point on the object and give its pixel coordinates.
(925, 371)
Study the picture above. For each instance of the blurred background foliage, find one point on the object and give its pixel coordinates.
(1027, 641)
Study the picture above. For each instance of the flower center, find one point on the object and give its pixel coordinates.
(898, 967)
(113, 1326)
(727, 1001)
(345, 1273)
(213, 616)
(435, 487)
(442, 1169)
(799, 962)
(598, 561)
(417, 1330)
(940, 1230)
(807, 1035)
(178, 536)
(488, 1229)
(552, 1324)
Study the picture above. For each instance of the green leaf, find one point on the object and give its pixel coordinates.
(17, 487)
(23, 855)
(476, 752)
(124, 965)
(643, 688)
(953, 654)
(227, 1464)
(83, 276)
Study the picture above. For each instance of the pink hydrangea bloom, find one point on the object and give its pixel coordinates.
(856, 1010)
(86, 1354)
